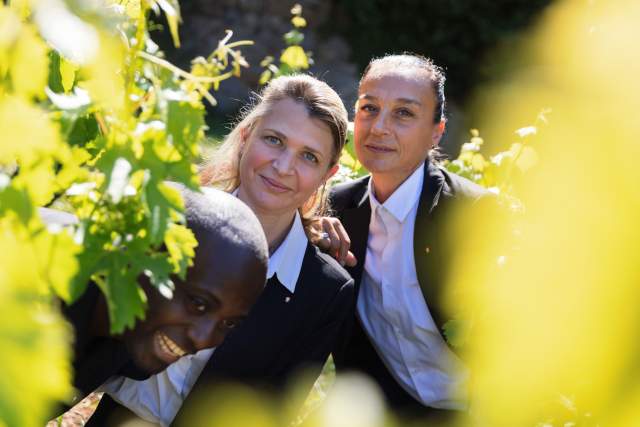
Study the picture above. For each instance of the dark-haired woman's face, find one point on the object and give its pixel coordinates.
(394, 128)
(286, 157)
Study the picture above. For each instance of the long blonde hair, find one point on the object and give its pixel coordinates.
(320, 101)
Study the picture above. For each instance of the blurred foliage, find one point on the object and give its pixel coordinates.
(94, 121)
(556, 327)
(496, 172)
(456, 34)
(293, 58)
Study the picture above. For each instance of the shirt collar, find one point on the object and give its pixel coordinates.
(286, 261)
(400, 203)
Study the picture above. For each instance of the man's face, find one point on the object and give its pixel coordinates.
(216, 296)
(394, 128)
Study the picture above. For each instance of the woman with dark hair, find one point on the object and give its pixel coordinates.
(277, 160)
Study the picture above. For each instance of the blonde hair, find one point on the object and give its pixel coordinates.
(320, 101)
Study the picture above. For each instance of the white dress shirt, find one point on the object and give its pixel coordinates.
(158, 398)
(392, 308)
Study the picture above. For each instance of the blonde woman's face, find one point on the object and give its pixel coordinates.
(286, 157)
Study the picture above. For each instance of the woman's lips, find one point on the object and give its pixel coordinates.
(274, 185)
(379, 148)
(166, 348)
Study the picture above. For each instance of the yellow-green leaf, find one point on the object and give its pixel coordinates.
(180, 244)
(299, 22)
(29, 130)
(105, 82)
(9, 30)
(30, 64)
(68, 73)
(295, 57)
(265, 77)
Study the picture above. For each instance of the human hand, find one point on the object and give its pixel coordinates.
(329, 235)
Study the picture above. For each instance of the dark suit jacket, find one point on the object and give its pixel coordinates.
(442, 193)
(284, 334)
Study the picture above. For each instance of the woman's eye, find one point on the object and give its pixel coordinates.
(369, 108)
(405, 113)
(230, 323)
(272, 140)
(198, 304)
(310, 157)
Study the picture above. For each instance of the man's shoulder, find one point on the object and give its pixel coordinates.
(348, 194)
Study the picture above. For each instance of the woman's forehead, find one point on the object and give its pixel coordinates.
(292, 120)
(396, 85)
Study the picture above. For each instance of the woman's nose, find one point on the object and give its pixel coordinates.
(284, 163)
(380, 124)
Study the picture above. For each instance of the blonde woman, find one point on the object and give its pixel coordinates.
(277, 160)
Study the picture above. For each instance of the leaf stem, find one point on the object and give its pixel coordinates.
(180, 72)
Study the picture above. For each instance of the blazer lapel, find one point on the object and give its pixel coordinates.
(429, 254)
(356, 220)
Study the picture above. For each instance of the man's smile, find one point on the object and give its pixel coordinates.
(167, 349)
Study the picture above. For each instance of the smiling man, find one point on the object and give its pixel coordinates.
(226, 279)
(396, 220)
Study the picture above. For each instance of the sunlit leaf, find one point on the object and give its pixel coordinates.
(265, 76)
(28, 129)
(185, 123)
(181, 245)
(30, 64)
(125, 299)
(295, 57)
(299, 22)
(105, 82)
(68, 74)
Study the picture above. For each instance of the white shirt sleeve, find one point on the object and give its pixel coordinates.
(158, 398)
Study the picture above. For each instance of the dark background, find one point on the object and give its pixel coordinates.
(462, 36)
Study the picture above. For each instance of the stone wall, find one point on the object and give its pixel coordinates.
(264, 22)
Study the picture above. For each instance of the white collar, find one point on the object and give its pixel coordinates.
(286, 261)
(404, 198)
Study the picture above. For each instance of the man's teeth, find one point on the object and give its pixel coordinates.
(171, 347)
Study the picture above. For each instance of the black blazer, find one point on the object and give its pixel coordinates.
(284, 334)
(442, 192)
